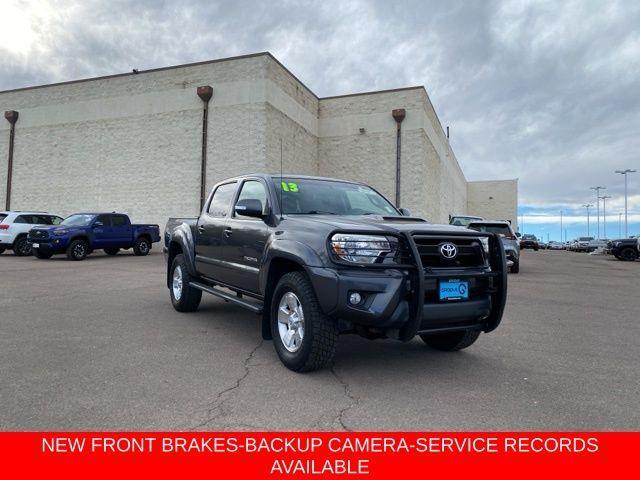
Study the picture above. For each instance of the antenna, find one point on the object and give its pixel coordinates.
(281, 188)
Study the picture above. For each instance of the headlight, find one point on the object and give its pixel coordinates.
(60, 232)
(360, 248)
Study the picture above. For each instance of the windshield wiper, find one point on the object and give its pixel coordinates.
(319, 212)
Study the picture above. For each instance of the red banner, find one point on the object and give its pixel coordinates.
(301, 455)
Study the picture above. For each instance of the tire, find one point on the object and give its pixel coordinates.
(515, 268)
(21, 247)
(535, 249)
(628, 254)
(2, 250)
(42, 255)
(313, 348)
(142, 247)
(184, 298)
(451, 341)
(77, 250)
(111, 251)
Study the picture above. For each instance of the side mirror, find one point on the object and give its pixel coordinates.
(405, 212)
(249, 207)
(98, 224)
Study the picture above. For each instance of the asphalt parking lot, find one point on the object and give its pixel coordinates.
(96, 345)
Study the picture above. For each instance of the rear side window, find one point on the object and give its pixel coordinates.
(219, 206)
(118, 221)
(29, 219)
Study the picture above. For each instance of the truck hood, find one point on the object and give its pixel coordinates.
(375, 223)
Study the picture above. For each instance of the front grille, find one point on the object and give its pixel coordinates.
(470, 252)
(38, 234)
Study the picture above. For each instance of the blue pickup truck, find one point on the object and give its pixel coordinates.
(82, 233)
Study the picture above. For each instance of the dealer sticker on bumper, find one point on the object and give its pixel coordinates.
(454, 290)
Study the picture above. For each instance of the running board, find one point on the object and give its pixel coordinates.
(254, 307)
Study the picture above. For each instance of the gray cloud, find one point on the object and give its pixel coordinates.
(545, 91)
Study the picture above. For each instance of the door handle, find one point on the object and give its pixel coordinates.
(228, 231)
(200, 229)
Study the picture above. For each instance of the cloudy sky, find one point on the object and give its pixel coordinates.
(545, 91)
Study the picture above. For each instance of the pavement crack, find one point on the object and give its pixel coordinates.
(353, 400)
(216, 408)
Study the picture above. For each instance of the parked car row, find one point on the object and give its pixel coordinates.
(44, 235)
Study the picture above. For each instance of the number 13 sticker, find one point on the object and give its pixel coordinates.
(290, 186)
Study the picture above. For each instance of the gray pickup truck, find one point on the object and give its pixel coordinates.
(318, 257)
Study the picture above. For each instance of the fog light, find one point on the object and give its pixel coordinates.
(355, 298)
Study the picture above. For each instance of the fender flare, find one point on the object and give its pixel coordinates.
(183, 237)
(292, 250)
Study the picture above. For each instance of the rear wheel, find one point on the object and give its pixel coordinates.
(184, 297)
(629, 254)
(42, 255)
(2, 249)
(77, 250)
(142, 247)
(111, 251)
(304, 337)
(22, 247)
(451, 341)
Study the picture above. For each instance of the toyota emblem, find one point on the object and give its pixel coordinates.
(448, 251)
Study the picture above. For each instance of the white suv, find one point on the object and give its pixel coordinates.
(14, 227)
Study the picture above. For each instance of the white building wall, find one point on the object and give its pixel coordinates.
(494, 200)
(133, 142)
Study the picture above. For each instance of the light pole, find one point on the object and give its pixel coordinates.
(604, 214)
(561, 226)
(588, 206)
(625, 173)
(620, 225)
(597, 189)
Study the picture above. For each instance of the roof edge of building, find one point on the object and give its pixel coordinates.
(151, 70)
(375, 92)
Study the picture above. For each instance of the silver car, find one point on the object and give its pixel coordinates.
(507, 235)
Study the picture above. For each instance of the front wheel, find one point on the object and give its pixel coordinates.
(142, 247)
(451, 341)
(628, 254)
(42, 255)
(304, 337)
(515, 268)
(77, 250)
(22, 247)
(184, 297)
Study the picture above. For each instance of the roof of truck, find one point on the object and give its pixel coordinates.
(276, 176)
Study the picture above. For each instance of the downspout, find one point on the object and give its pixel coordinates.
(12, 118)
(398, 116)
(205, 93)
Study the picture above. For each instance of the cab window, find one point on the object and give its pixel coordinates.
(253, 190)
(104, 219)
(118, 221)
(219, 206)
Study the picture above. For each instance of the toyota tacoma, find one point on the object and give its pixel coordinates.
(318, 257)
(80, 234)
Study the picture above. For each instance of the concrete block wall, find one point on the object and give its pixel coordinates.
(432, 183)
(132, 142)
(494, 200)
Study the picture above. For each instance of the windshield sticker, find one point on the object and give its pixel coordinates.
(290, 187)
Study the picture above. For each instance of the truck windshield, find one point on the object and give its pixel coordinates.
(302, 196)
(78, 220)
(500, 228)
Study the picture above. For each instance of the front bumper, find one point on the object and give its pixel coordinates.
(402, 303)
(50, 244)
